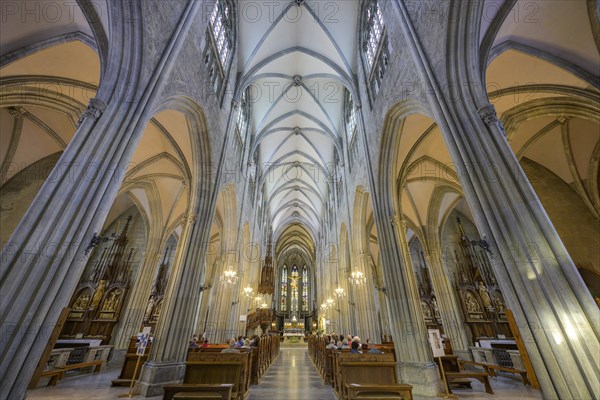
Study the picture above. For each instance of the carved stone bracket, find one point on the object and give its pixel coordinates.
(298, 3)
(94, 110)
(192, 219)
(297, 80)
(488, 114)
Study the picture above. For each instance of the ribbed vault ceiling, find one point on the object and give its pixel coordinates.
(297, 59)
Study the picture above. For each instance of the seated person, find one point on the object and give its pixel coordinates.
(355, 350)
(374, 350)
(205, 343)
(194, 343)
(344, 346)
(231, 348)
(246, 344)
(240, 341)
(331, 345)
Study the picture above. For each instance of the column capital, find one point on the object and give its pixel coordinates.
(16, 112)
(94, 110)
(235, 104)
(398, 222)
(192, 219)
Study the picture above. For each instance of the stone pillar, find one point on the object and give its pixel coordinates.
(448, 305)
(166, 363)
(407, 324)
(553, 308)
(133, 313)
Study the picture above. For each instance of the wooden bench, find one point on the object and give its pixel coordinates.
(97, 364)
(491, 369)
(55, 375)
(218, 368)
(376, 371)
(379, 392)
(202, 391)
(452, 373)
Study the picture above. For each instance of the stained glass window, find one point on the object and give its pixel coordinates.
(375, 31)
(220, 23)
(295, 278)
(304, 288)
(284, 288)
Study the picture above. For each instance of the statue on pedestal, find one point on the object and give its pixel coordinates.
(98, 294)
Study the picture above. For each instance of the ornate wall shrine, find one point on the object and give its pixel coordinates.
(480, 297)
(99, 296)
(155, 301)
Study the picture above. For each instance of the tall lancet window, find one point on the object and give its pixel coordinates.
(220, 24)
(218, 51)
(284, 288)
(350, 111)
(295, 279)
(242, 117)
(374, 45)
(304, 288)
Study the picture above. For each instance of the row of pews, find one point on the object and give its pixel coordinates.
(359, 376)
(209, 372)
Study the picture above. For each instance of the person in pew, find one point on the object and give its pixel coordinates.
(343, 345)
(246, 344)
(331, 345)
(349, 340)
(205, 343)
(373, 350)
(231, 348)
(355, 347)
(240, 341)
(194, 343)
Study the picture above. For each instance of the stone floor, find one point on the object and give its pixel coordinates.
(291, 377)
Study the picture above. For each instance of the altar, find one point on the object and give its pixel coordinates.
(293, 335)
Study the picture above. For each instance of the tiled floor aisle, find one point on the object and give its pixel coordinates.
(292, 376)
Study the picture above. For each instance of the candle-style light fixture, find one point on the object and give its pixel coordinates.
(248, 291)
(340, 292)
(357, 278)
(329, 302)
(229, 277)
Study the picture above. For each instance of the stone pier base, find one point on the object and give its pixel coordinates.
(424, 377)
(155, 375)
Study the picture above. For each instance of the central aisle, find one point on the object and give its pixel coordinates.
(292, 376)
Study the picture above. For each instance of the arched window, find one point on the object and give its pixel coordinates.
(295, 279)
(219, 44)
(304, 288)
(242, 117)
(350, 112)
(374, 45)
(284, 288)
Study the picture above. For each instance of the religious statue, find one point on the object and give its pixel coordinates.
(149, 308)
(98, 294)
(81, 302)
(113, 300)
(436, 310)
(157, 309)
(499, 302)
(426, 310)
(471, 303)
(485, 296)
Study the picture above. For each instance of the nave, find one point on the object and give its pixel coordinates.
(292, 376)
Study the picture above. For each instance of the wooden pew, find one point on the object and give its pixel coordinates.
(491, 369)
(203, 391)
(216, 368)
(55, 375)
(377, 372)
(375, 392)
(450, 368)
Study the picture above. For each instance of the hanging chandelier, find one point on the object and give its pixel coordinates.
(340, 292)
(329, 302)
(229, 277)
(248, 291)
(324, 306)
(357, 278)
